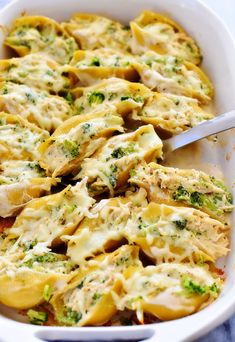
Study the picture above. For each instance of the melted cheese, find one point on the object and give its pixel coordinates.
(77, 139)
(94, 32)
(116, 94)
(20, 182)
(109, 168)
(23, 281)
(104, 228)
(188, 187)
(46, 219)
(30, 34)
(151, 31)
(162, 290)
(92, 290)
(168, 74)
(93, 66)
(37, 71)
(171, 113)
(39, 107)
(178, 234)
(19, 139)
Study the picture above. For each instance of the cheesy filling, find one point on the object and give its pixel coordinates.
(36, 71)
(189, 187)
(38, 107)
(19, 139)
(110, 166)
(41, 34)
(68, 148)
(94, 32)
(169, 74)
(46, 219)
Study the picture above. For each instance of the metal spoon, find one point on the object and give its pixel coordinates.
(219, 124)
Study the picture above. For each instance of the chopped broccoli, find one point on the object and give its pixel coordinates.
(86, 127)
(180, 224)
(123, 151)
(69, 98)
(193, 287)
(37, 317)
(95, 62)
(196, 198)
(96, 297)
(72, 317)
(47, 292)
(71, 148)
(132, 173)
(181, 194)
(81, 284)
(96, 97)
(45, 258)
(136, 99)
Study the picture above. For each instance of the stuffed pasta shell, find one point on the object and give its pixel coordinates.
(88, 299)
(169, 74)
(20, 182)
(184, 186)
(177, 234)
(93, 66)
(171, 114)
(30, 34)
(169, 291)
(38, 71)
(105, 228)
(77, 138)
(108, 169)
(19, 139)
(120, 95)
(48, 218)
(93, 31)
(29, 280)
(153, 31)
(38, 107)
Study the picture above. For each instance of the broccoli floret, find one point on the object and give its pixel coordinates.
(196, 198)
(123, 151)
(37, 317)
(45, 258)
(96, 297)
(72, 317)
(181, 194)
(69, 98)
(71, 148)
(95, 62)
(96, 97)
(180, 224)
(47, 292)
(193, 287)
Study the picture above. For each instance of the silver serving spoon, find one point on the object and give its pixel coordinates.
(218, 124)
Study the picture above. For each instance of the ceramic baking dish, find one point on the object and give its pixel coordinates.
(218, 61)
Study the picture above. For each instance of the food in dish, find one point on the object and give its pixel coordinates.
(96, 228)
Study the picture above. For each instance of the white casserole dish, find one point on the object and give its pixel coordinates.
(218, 61)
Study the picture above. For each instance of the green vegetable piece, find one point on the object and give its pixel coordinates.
(123, 151)
(95, 62)
(37, 317)
(96, 97)
(180, 224)
(193, 287)
(96, 297)
(71, 148)
(47, 292)
(69, 98)
(181, 194)
(71, 318)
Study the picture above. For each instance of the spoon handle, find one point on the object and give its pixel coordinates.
(218, 124)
